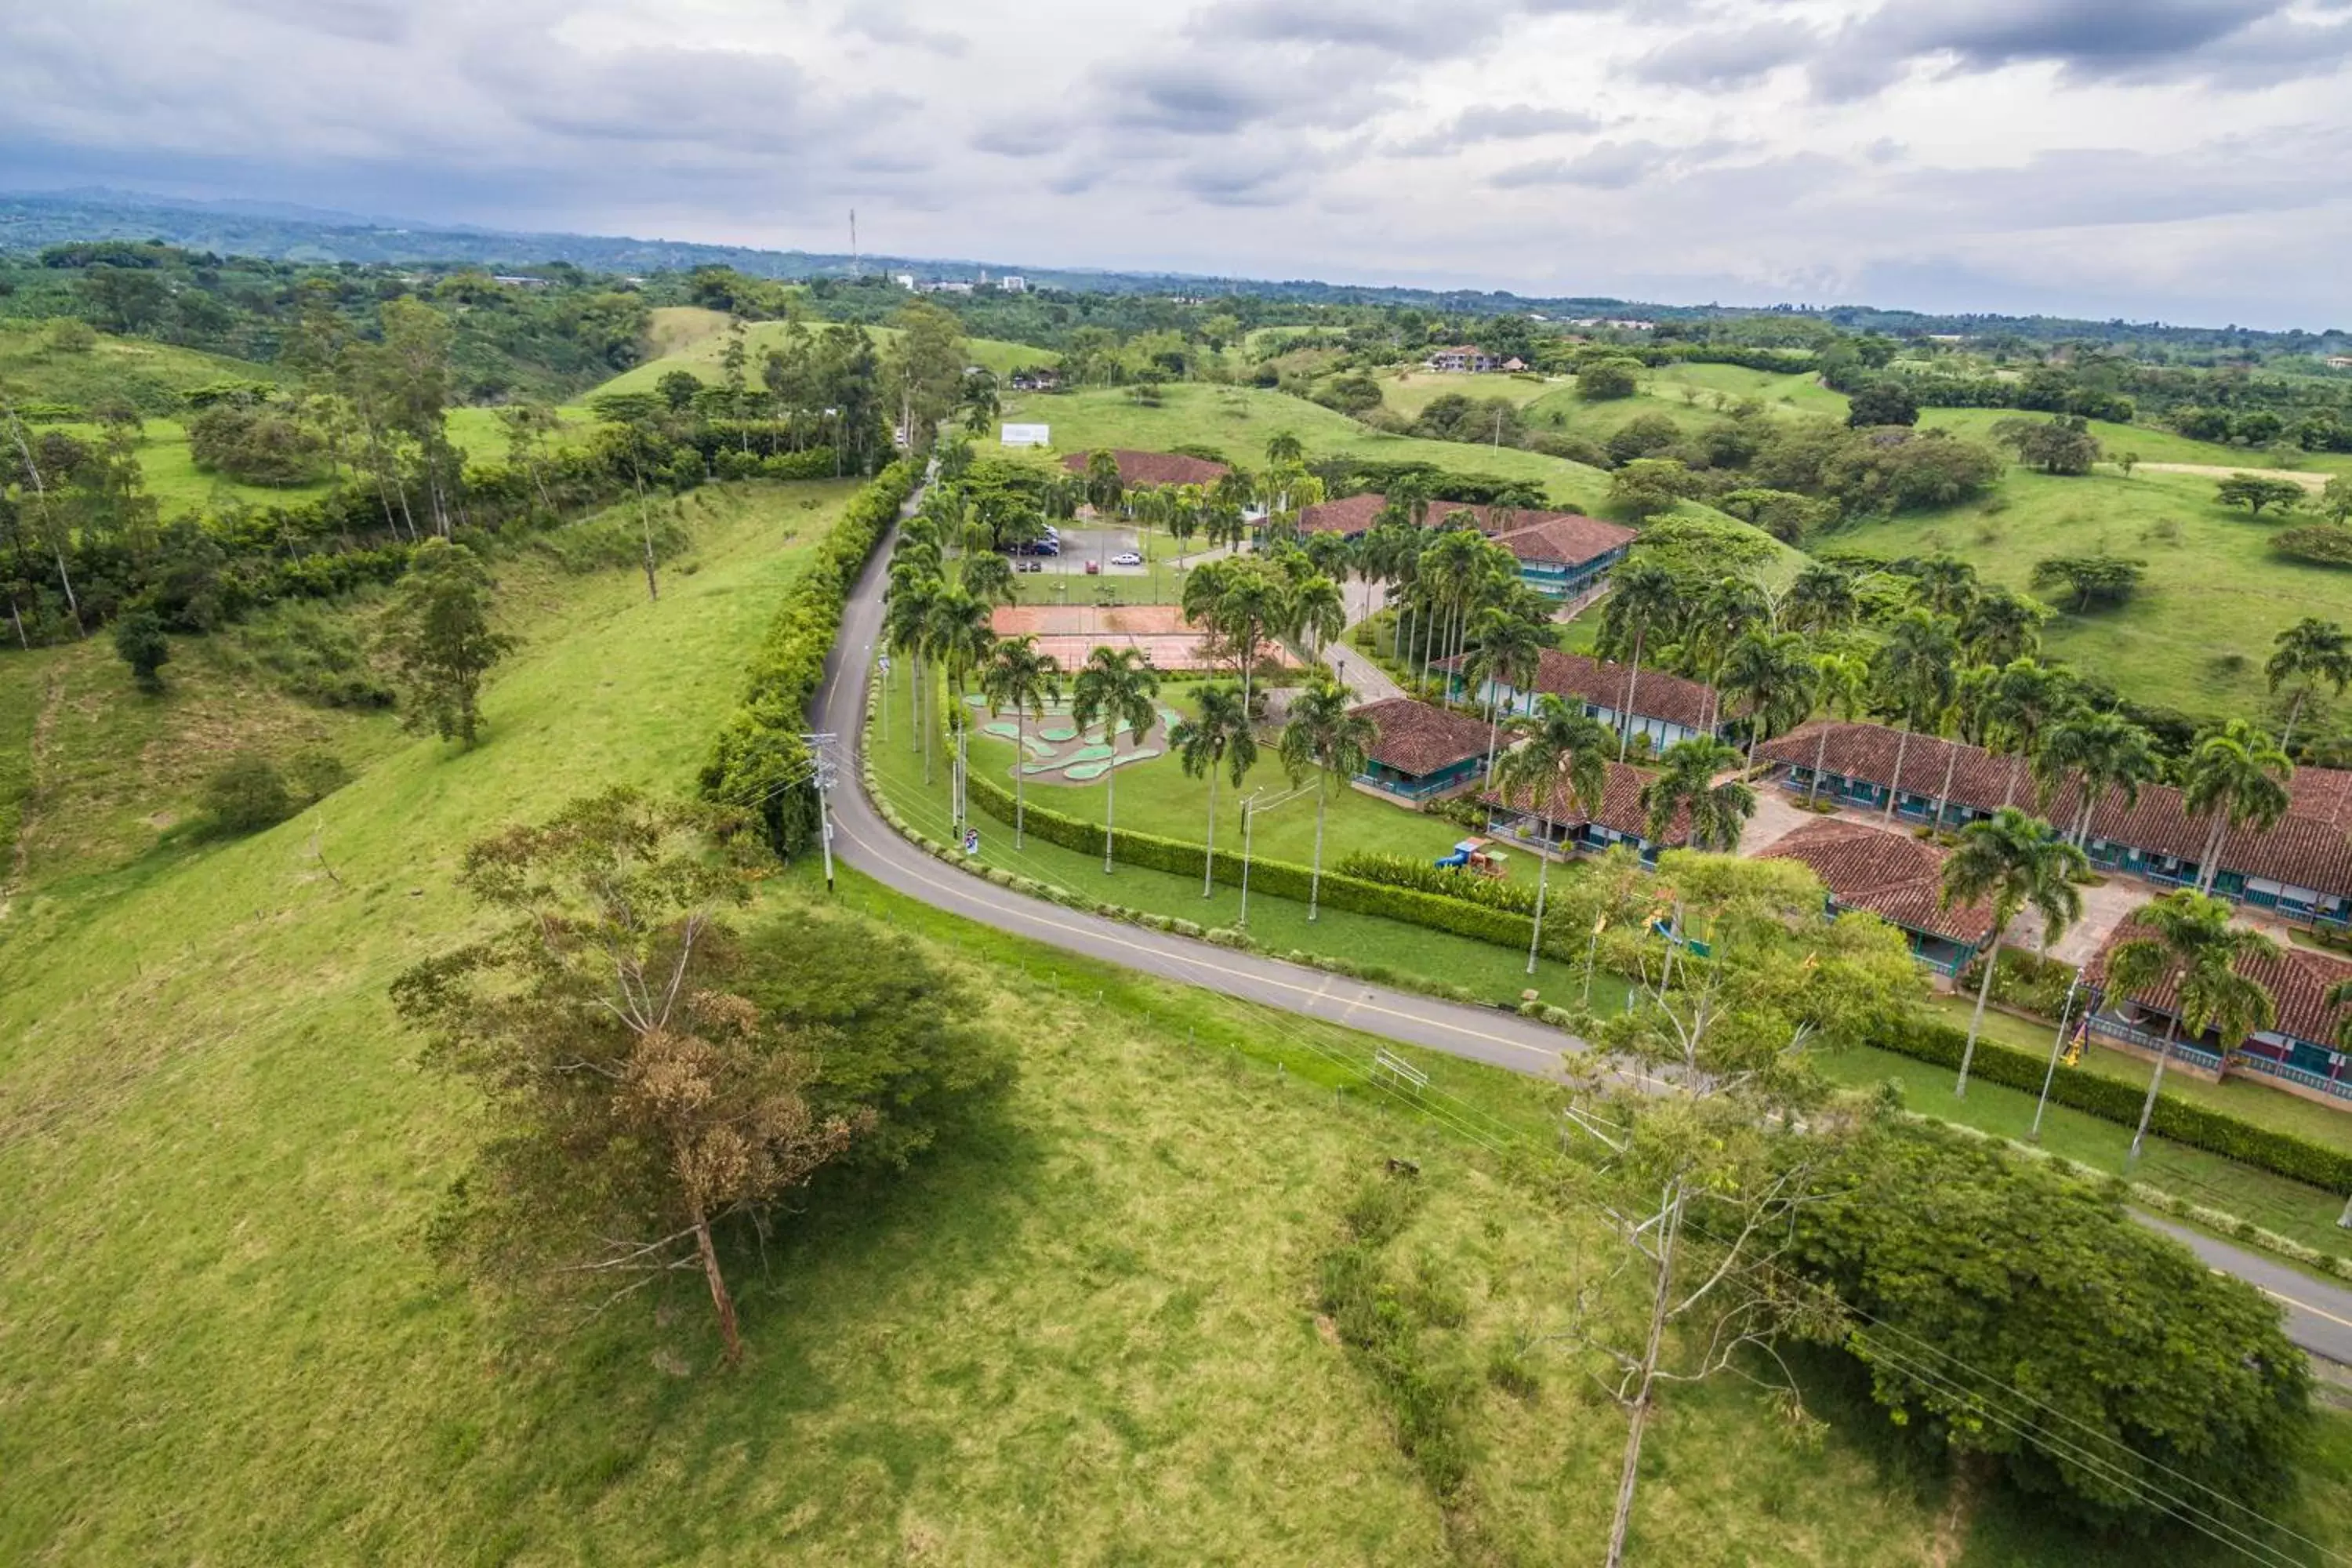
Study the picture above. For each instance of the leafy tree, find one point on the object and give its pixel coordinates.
(1648, 486)
(2307, 653)
(437, 633)
(1017, 676)
(1563, 761)
(248, 793)
(1641, 436)
(893, 1034)
(925, 369)
(2061, 445)
(1325, 733)
(2190, 945)
(2107, 580)
(2238, 777)
(1886, 401)
(1784, 514)
(2335, 500)
(1219, 735)
(2256, 491)
(1113, 688)
(1602, 380)
(140, 641)
(639, 1099)
(1965, 1271)
(1698, 776)
(265, 445)
(678, 389)
(2009, 861)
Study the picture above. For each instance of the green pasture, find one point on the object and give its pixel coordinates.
(2196, 636)
(150, 374)
(1409, 389)
(697, 339)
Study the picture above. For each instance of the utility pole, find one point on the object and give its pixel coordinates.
(820, 747)
(2057, 1044)
(1241, 921)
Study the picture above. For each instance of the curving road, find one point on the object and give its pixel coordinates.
(2318, 1315)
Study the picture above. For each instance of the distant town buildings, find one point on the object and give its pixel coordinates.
(1461, 357)
(1013, 283)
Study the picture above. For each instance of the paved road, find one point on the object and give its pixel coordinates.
(2318, 1315)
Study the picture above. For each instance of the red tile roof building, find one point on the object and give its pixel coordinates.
(1619, 820)
(1890, 874)
(2302, 867)
(1150, 470)
(1666, 707)
(2304, 1045)
(1561, 553)
(1423, 749)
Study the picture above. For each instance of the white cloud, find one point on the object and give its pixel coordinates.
(2136, 157)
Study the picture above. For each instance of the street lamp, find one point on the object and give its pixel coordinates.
(2050, 1072)
(1249, 802)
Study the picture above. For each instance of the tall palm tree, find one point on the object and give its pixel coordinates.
(1643, 601)
(1822, 599)
(2000, 627)
(1945, 585)
(2237, 776)
(1020, 677)
(1114, 687)
(1184, 518)
(1911, 679)
(2306, 653)
(1105, 488)
(957, 636)
(2027, 700)
(1318, 612)
(2104, 753)
(1727, 611)
(1773, 673)
(988, 576)
(1219, 735)
(1284, 450)
(1325, 732)
(906, 622)
(1841, 681)
(1564, 757)
(1332, 555)
(2012, 861)
(1504, 650)
(1719, 811)
(2192, 942)
(1254, 605)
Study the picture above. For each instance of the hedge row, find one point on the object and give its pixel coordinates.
(1399, 871)
(758, 762)
(2279, 1153)
(1279, 879)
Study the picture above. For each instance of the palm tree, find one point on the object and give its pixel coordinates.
(906, 621)
(2027, 700)
(958, 637)
(2192, 943)
(1221, 734)
(1641, 600)
(1115, 687)
(2308, 652)
(2000, 628)
(1565, 757)
(1504, 650)
(1017, 676)
(1332, 555)
(1283, 450)
(1319, 612)
(2237, 776)
(1840, 683)
(989, 577)
(2012, 861)
(1326, 733)
(1773, 672)
(1252, 605)
(1911, 677)
(1945, 585)
(1184, 518)
(2104, 753)
(1719, 811)
(1104, 485)
(1822, 599)
(1725, 612)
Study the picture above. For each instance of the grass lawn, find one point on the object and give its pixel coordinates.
(150, 374)
(1238, 421)
(2152, 443)
(1409, 389)
(2242, 1096)
(2197, 634)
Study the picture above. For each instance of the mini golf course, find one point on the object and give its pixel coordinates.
(1058, 753)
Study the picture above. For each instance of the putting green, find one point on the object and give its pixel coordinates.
(1088, 754)
(1059, 733)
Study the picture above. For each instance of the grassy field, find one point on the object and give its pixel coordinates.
(688, 338)
(1409, 389)
(2197, 634)
(150, 374)
(1238, 421)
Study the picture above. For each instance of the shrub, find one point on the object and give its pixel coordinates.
(257, 446)
(248, 793)
(314, 773)
(2024, 980)
(140, 641)
(2319, 543)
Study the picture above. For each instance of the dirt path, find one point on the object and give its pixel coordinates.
(2303, 477)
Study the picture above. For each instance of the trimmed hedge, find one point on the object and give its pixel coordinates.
(756, 761)
(1279, 879)
(1399, 871)
(2279, 1153)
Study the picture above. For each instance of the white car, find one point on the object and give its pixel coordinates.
(1126, 558)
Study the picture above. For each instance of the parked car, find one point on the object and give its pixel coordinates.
(1094, 568)
(1126, 558)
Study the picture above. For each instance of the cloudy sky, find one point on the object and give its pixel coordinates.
(2183, 159)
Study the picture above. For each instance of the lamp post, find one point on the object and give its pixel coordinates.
(1241, 921)
(2057, 1044)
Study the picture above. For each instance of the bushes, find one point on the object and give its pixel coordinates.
(2318, 544)
(2024, 981)
(2279, 1153)
(757, 762)
(1397, 871)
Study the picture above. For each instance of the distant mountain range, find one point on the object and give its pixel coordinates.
(29, 222)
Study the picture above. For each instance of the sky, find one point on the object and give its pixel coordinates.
(2182, 160)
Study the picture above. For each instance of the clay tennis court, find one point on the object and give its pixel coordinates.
(1071, 632)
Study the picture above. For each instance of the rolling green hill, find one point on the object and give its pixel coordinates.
(153, 375)
(690, 338)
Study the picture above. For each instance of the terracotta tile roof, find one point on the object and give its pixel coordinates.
(2297, 979)
(1349, 515)
(1149, 469)
(2322, 793)
(1621, 806)
(2301, 851)
(1419, 739)
(1565, 538)
(1656, 693)
(1888, 874)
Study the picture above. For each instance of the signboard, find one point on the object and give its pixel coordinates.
(1028, 436)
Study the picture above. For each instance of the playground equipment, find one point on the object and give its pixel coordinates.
(1474, 855)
